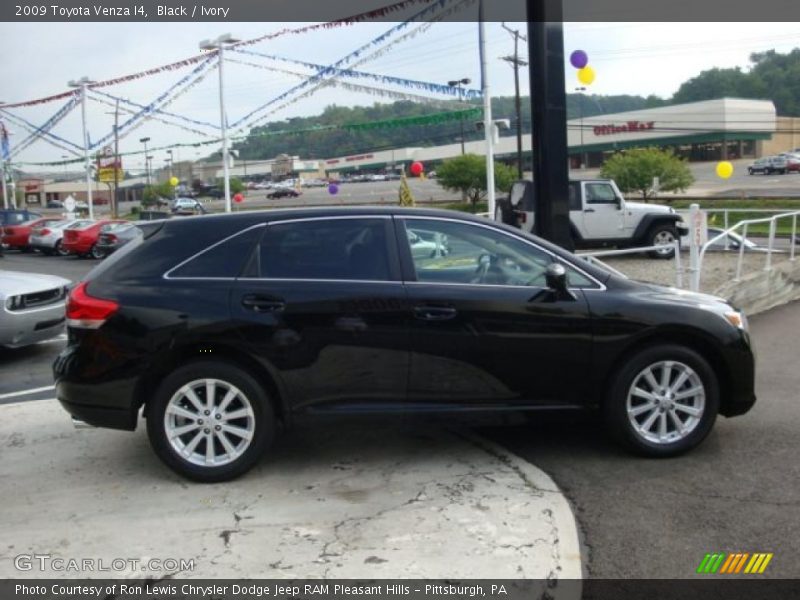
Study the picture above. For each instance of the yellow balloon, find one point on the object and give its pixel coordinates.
(724, 169)
(586, 75)
(173, 181)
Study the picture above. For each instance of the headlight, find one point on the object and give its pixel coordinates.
(737, 319)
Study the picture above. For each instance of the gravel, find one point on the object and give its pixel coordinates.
(718, 268)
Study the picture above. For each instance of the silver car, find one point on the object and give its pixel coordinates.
(31, 307)
(47, 240)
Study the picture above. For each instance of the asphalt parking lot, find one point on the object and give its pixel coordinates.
(639, 518)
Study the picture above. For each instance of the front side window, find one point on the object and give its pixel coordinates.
(463, 253)
(600, 193)
(337, 249)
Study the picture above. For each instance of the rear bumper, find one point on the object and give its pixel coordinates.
(76, 248)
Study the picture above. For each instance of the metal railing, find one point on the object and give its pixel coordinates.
(592, 258)
(744, 224)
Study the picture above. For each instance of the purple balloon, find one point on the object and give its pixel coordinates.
(579, 59)
(333, 189)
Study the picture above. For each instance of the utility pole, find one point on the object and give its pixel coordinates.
(82, 83)
(114, 210)
(488, 123)
(581, 90)
(144, 141)
(457, 83)
(218, 44)
(516, 62)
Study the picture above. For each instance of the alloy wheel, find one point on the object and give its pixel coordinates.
(666, 402)
(209, 422)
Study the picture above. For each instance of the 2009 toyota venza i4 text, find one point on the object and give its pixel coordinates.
(217, 328)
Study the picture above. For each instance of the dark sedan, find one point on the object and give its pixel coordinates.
(219, 328)
(283, 193)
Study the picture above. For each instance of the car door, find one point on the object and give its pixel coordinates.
(484, 329)
(323, 304)
(602, 217)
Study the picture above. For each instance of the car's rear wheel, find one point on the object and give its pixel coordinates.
(663, 235)
(663, 401)
(210, 421)
(96, 252)
(59, 249)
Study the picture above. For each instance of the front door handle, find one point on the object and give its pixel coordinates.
(263, 304)
(588, 210)
(434, 313)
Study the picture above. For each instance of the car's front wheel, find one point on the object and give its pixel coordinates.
(60, 250)
(96, 252)
(210, 421)
(663, 235)
(663, 401)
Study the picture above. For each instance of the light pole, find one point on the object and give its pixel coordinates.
(3, 158)
(457, 83)
(581, 90)
(65, 157)
(148, 163)
(144, 141)
(516, 62)
(218, 44)
(82, 84)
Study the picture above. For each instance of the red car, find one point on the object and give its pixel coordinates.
(16, 236)
(83, 241)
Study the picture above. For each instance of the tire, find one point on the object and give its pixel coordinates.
(250, 401)
(96, 253)
(59, 249)
(631, 376)
(749, 171)
(662, 234)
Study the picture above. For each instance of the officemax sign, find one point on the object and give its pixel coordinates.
(629, 127)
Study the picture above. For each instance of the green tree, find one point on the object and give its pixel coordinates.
(633, 171)
(236, 185)
(467, 174)
(154, 193)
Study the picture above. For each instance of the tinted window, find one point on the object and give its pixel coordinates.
(575, 196)
(225, 259)
(326, 249)
(450, 252)
(80, 224)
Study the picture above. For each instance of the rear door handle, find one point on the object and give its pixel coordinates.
(588, 210)
(434, 313)
(262, 304)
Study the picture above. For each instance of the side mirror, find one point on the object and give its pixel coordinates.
(556, 278)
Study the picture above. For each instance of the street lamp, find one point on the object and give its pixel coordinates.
(144, 141)
(82, 84)
(148, 164)
(219, 44)
(457, 83)
(581, 89)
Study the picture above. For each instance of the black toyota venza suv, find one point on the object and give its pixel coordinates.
(218, 328)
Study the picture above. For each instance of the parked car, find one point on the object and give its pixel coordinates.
(15, 216)
(49, 240)
(80, 239)
(187, 206)
(284, 192)
(600, 216)
(792, 162)
(218, 329)
(768, 166)
(115, 235)
(55, 204)
(426, 246)
(31, 307)
(15, 237)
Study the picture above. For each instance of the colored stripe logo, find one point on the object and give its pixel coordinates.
(735, 563)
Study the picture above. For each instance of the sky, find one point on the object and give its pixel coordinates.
(39, 59)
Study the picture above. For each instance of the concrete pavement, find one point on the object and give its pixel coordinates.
(374, 498)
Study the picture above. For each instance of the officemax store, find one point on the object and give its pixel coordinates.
(720, 129)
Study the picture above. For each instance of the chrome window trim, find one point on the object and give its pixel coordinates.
(166, 274)
(601, 287)
(329, 218)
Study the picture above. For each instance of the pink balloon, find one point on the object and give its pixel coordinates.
(416, 168)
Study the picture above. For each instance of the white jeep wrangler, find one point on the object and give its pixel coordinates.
(600, 216)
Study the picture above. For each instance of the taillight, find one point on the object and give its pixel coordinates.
(86, 311)
(111, 238)
(44, 232)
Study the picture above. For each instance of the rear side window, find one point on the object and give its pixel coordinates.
(343, 249)
(225, 259)
(575, 196)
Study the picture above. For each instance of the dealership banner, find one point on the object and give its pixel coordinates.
(168, 588)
